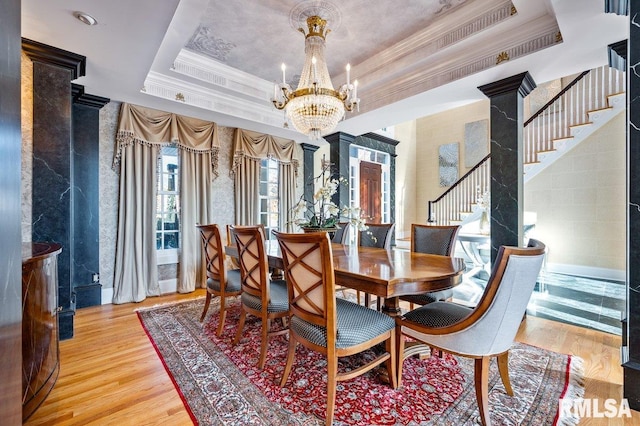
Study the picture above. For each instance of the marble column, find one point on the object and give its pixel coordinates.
(10, 225)
(308, 174)
(631, 352)
(85, 259)
(507, 178)
(339, 144)
(52, 200)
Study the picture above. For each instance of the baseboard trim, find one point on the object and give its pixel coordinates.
(587, 271)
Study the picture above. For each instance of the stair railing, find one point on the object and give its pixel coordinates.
(461, 196)
(589, 91)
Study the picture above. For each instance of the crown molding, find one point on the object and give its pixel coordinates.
(220, 75)
(40, 52)
(81, 98)
(177, 90)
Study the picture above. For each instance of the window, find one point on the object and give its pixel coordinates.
(168, 200)
(269, 196)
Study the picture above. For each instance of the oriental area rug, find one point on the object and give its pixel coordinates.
(220, 383)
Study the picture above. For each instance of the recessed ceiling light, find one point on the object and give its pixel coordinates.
(85, 17)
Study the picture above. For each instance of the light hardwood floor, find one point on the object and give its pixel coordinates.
(110, 373)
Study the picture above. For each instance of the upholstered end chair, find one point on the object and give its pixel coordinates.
(485, 331)
(377, 235)
(432, 240)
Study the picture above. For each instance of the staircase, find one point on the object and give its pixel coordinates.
(581, 108)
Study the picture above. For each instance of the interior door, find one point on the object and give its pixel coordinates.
(371, 191)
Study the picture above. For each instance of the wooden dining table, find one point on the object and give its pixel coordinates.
(384, 273)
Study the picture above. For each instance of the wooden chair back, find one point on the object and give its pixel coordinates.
(434, 239)
(254, 268)
(308, 261)
(213, 253)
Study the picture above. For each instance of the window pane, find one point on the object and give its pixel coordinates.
(158, 240)
(158, 222)
(170, 240)
(263, 174)
(263, 204)
(273, 190)
(273, 175)
(263, 219)
(263, 188)
(171, 222)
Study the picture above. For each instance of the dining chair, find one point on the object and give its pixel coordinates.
(220, 281)
(321, 322)
(432, 240)
(376, 235)
(482, 332)
(262, 297)
(341, 236)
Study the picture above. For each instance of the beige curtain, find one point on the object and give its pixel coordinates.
(249, 149)
(196, 208)
(136, 274)
(141, 133)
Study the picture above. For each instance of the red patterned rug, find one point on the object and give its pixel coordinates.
(221, 384)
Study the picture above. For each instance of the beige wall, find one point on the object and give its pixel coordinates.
(579, 200)
(406, 163)
(580, 203)
(431, 132)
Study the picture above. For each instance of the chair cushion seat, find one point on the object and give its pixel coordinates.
(233, 282)
(426, 298)
(438, 314)
(355, 324)
(279, 298)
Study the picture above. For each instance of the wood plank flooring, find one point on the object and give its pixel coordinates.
(111, 374)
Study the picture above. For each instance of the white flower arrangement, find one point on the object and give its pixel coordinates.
(322, 213)
(483, 199)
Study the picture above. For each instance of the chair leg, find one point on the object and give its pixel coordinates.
(392, 363)
(503, 367)
(291, 353)
(243, 316)
(223, 315)
(367, 299)
(207, 301)
(481, 373)
(332, 378)
(400, 357)
(358, 296)
(264, 342)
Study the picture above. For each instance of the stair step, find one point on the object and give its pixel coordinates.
(576, 129)
(545, 154)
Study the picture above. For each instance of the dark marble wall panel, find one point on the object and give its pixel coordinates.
(631, 361)
(308, 151)
(339, 144)
(52, 186)
(507, 204)
(10, 205)
(85, 230)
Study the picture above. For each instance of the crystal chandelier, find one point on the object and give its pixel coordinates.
(315, 107)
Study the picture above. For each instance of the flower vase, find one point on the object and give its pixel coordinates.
(330, 231)
(485, 224)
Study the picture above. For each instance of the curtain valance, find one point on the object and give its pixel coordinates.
(257, 146)
(153, 127)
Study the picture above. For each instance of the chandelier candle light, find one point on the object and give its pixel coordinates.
(315, 107)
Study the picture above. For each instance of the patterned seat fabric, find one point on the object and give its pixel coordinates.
(233, 281)
(279, 298)
(355, 324)
(426, 298)
(438, 314)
